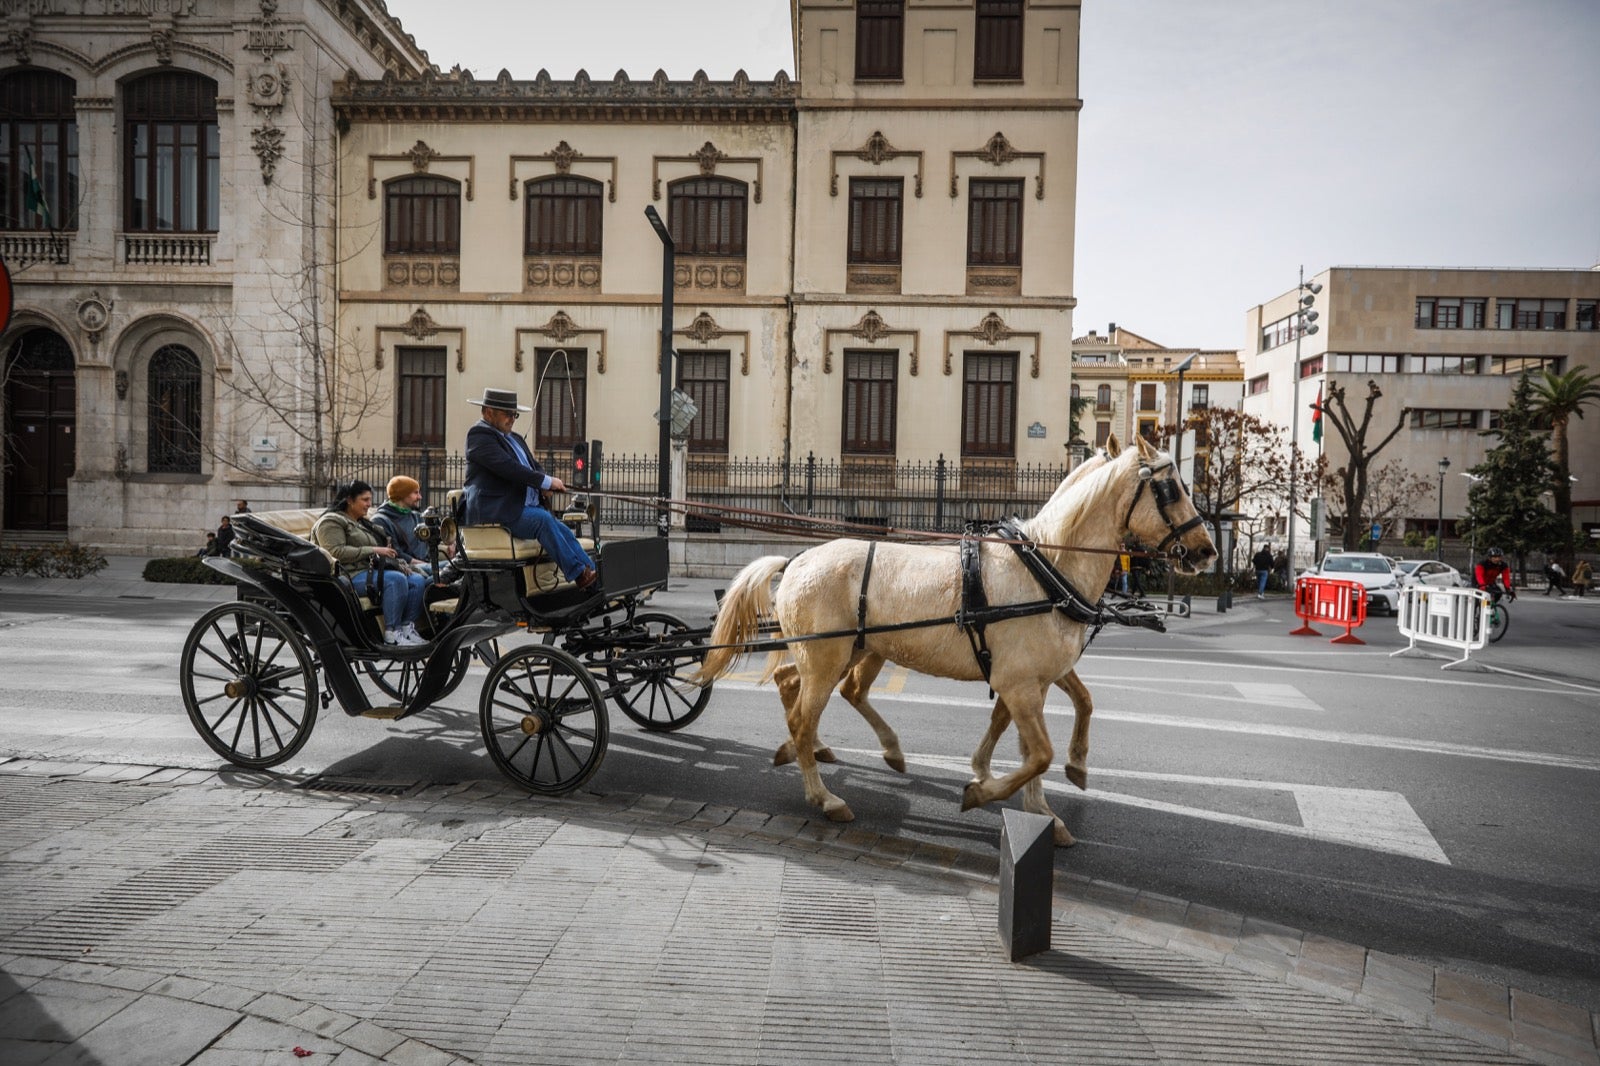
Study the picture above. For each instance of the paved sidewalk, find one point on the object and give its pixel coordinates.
(153, 915)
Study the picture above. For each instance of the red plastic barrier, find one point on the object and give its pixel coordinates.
(1327, 599)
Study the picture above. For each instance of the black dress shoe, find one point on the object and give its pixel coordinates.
(587, 578)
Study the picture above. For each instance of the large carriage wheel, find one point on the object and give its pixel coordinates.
(544, 720)
(398, 678)
(655, 691)
(249, 685)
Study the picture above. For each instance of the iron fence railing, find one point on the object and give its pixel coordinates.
(927, 495)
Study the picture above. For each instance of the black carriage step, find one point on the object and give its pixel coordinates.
(388, 714)
(323, 783)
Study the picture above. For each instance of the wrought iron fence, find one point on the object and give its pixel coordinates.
(935, 496)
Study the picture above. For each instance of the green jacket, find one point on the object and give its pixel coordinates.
(351, 543)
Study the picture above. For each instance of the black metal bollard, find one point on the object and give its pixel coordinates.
(1027, 878)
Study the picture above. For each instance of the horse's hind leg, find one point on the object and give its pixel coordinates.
(1077, 766)
(1027, 712)
(857, 685)
(819, 673)
(787, 678)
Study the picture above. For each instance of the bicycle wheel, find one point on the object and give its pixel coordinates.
(1499, 621)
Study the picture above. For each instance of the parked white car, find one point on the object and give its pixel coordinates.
(1368, 569)
(1429, 572)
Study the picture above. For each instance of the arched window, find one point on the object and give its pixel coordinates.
(174, 412)
(38, 151)
(422, 216)
(1102, 397)
(563, 217)
(172, 149)
(706, 216)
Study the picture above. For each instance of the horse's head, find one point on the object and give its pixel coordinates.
(1161, 514)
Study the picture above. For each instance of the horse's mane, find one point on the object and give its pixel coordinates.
(1074, 514)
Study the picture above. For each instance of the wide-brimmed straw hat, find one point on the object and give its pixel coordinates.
(500, 400)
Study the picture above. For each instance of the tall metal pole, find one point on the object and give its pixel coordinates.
(1294, 424)
(664, 439)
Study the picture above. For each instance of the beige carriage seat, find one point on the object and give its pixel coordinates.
(299, 523)
(495, 542)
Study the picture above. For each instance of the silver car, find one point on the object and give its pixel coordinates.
(1368, 569)
(1429, 572)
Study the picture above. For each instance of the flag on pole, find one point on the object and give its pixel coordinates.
(1316, 418)
(33, 199)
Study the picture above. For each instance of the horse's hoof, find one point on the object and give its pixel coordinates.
(1063, 836)
(970, 796)
(841, 813)
(826, 755)
(897, 762)
(784, 755)
(1078, 776)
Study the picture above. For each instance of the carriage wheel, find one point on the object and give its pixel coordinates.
(656, 692)
(249, 685)
(544, 720)
(398, 678)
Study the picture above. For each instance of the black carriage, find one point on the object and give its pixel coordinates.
(255, 671)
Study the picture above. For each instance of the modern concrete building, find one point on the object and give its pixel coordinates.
(1446, 343)
(874, 260)
(174, 284)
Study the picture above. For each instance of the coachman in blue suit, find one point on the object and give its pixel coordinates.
(504, 481)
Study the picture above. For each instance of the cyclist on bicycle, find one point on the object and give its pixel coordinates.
(1493, 575)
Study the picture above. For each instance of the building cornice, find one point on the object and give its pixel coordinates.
(459, 97)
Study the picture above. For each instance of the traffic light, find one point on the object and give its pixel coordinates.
(595, 463)
(580, 464)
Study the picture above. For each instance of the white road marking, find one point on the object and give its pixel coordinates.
(1276, 695)
(1279, 668)
(1326, 736)
(1356, 817)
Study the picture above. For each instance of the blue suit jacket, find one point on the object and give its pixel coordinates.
(497, 483)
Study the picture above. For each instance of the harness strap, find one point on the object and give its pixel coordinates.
(974, 604)
(1068, 600)
(861, 600)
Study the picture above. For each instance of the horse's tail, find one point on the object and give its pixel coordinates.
(747, 601)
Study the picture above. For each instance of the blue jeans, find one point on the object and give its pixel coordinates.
(402, 595)
(557, 540)
(1261, 581)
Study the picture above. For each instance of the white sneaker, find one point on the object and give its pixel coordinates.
(391, 636)
(408, 636)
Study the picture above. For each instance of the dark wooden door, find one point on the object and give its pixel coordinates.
(40, 427)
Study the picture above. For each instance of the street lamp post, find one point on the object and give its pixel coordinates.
(1307, 325)
(1177, 452)
(664, 412)
(1438, 546)
(1472, 541)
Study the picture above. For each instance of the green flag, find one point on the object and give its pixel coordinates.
(33, 201)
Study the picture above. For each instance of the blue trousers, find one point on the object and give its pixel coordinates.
(402, 595)
(557, 540)
(1261, 581)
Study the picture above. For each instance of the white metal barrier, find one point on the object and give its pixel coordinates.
(1455, 618)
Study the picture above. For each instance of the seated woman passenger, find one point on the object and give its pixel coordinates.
(353, 542)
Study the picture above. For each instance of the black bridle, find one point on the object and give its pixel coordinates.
(1166, 492)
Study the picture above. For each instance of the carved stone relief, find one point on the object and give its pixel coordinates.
(267, 141)
(93, 313)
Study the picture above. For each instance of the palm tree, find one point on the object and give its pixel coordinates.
(1557, 398)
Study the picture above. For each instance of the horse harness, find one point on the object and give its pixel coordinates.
(1166, 492)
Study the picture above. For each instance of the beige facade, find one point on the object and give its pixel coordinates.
(793, 315)
(1132, 385)
(1417, 332)
(150, 316)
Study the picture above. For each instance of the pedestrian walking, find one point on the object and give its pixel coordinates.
(1582, 574)
(1262, 561)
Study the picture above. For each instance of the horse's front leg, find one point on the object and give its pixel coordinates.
(1077, 766)
(999, 719)
(856, 687)
(787, 678)
(1027, 711)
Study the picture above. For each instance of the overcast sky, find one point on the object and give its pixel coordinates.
(1223, 142)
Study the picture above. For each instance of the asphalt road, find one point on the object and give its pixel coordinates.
(1448, 816)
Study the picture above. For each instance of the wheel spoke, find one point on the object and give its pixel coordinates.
(227, 712)
(568, 748)
(213, 677)
(232, 667)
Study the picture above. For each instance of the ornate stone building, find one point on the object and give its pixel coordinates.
(874, 259)
(166, 179)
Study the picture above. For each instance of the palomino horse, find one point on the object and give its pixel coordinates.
(1139, 493)
(857, 686)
